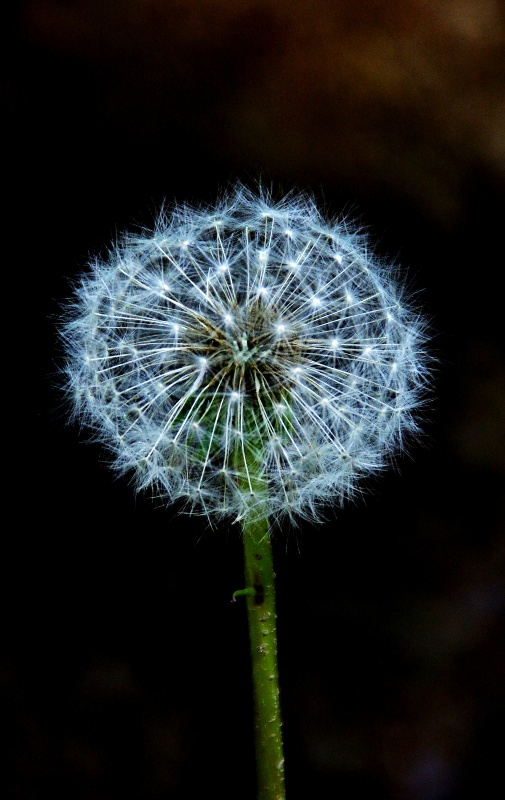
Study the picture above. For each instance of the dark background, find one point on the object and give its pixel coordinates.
(124, 668)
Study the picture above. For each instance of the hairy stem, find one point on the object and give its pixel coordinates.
(260, 576)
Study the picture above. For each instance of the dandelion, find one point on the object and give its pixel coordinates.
(254, 361)
(252, 334)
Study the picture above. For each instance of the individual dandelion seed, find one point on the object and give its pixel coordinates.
(255, 361)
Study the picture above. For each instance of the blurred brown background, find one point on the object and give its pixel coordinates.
(124, 668)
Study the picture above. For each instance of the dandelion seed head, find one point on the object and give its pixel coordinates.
(256, 333)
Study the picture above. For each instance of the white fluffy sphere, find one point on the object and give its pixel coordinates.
(249, 353)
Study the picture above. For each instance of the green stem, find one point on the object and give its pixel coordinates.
(260, 576)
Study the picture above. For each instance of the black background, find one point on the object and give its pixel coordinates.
(124, 666)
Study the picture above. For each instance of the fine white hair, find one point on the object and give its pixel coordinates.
(251, 349)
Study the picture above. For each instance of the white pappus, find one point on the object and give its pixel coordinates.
(252, 352)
